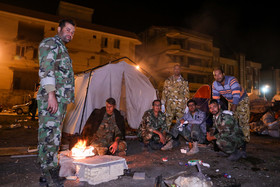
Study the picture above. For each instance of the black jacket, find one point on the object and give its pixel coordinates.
(96, 118)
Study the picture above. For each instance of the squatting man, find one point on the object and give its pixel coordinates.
(105, 130)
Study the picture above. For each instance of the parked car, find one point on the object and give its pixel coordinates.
(22, 109)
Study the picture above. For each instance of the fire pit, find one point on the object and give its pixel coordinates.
(82, 162)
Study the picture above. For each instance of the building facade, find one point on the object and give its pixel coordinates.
(163, 47)
(22, 30)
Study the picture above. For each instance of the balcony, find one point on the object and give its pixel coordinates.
(201, 52)
(173, 49)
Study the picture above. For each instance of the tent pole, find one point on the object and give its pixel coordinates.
(85, 103)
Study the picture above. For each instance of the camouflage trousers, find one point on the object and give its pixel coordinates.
(230, 143)
(49, 134)
(147, 136)
(102, 149)
(242, 115)
(176, 109)
(190, 133)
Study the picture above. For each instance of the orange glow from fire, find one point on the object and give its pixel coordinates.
(80, 150)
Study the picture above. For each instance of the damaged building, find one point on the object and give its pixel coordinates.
(22, 30)
(163, 47)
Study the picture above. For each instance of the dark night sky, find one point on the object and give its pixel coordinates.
(237, 26)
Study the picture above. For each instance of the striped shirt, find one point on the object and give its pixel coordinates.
(232, 90)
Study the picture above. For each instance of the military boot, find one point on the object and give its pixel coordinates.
(236, 155)
(57, 181)
(46, 179)
(243, 150)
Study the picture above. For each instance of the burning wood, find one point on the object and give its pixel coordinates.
(81, 151)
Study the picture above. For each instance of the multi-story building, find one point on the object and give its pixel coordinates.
(22, 30)
(163, 47)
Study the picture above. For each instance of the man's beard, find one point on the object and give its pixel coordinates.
(222, 79)
(64, 38)
(215, 113)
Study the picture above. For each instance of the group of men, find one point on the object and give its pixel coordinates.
(230, 130)
(105, 127)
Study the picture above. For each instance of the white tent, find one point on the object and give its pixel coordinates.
(131, 89)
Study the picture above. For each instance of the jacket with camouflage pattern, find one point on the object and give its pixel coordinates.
(227, 126)
(175, 89)
(55, 70)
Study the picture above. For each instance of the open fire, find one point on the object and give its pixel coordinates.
(81, 151)
(82, 162)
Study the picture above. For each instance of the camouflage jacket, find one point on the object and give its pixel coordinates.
(55, 70)
(150, 123)
(175, 90)
(107, 131)
(227, 126)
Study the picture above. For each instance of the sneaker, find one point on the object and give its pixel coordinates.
(243, 154)
(167, 146)
(194, 149)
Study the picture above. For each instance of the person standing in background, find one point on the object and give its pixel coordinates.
(175, 96)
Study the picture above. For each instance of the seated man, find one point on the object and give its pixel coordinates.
(230, 137)
(270, 123)
(192, 126)
(153, 129)
(105, 130)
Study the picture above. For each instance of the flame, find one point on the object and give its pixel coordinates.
(80, 150)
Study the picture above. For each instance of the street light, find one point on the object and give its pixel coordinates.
(265, 89)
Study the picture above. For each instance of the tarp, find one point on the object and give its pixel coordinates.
(106, 82)
(202, 96)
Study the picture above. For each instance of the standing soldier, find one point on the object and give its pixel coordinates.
(229, 88)
(175, 96)
(56, 91)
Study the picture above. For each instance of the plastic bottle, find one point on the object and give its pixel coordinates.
(194, 162)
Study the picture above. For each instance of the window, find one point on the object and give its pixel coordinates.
(20, 50)
(30, 31)
(195, 45)
(104, 42)
(200, 46)
(195, 61)
(176, 41)
(24, 80)
(230, 69)
(177, 58)
(117, 43)
(35, 53)
(223, 66)
(196, 78)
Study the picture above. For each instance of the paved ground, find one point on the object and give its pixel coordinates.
(261, 168)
